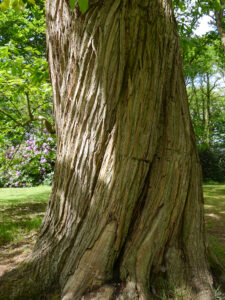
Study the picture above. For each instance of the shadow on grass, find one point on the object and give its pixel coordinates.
(24, 209)
(20, 215)
(11, 229)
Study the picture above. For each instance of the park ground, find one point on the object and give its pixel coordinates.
(22, 211)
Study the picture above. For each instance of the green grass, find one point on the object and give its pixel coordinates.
(21, 212)
(215, 218)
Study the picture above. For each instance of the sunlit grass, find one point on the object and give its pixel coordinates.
(15, 196)
(215, 218)
(21, 212)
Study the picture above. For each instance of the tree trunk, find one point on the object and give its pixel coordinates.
(219, 15)
(125, 216)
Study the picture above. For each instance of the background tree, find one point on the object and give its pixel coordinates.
(204, 60)
(25, 98)
(24, 84)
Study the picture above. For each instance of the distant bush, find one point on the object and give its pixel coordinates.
(213, 164)
(30, 162)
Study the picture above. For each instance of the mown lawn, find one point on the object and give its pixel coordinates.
(22, 211)
(215, 218)
(21, 214)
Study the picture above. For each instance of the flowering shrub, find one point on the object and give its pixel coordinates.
(29, 163)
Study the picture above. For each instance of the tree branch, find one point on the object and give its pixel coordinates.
(9, 116)
(50, 127)
(28, 106)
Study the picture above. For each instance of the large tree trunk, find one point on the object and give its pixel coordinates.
(125, 217)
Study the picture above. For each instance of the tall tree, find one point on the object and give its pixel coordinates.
(126, 208)
(220, 22)
(25, 92)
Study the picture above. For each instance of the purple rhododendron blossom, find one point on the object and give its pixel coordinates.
(31, 161)
(43, 160)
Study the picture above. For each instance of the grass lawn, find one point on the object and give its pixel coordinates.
(21, 214)
(22, 210)
(215, 218)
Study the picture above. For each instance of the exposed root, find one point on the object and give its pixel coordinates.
(103, 293)
(20, 283)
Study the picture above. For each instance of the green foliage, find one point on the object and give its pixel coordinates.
(202, 55)
(208, 115)
(16, 5)
(213, 164)
(189, 12)
(83, 5)
(73, 4)
(23, 78)
(20, 5)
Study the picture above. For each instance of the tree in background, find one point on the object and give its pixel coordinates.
(204, 60)
(204, 74)
(189, 12)
(25, 90)
(25, 98)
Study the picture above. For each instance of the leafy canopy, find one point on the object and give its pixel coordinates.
(18, 5)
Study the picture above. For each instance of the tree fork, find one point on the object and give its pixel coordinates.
(126, 208)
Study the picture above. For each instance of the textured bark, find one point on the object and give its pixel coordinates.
(126, 209)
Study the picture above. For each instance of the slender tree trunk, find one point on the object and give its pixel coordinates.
(204, 113)
(208, 109)
(219, 15)
(126, 210)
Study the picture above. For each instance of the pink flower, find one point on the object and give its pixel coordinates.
(16, 183)
(43, 160)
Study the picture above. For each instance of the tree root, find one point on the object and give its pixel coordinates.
(20, 283)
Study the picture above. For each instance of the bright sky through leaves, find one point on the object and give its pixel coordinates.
(204, 26)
